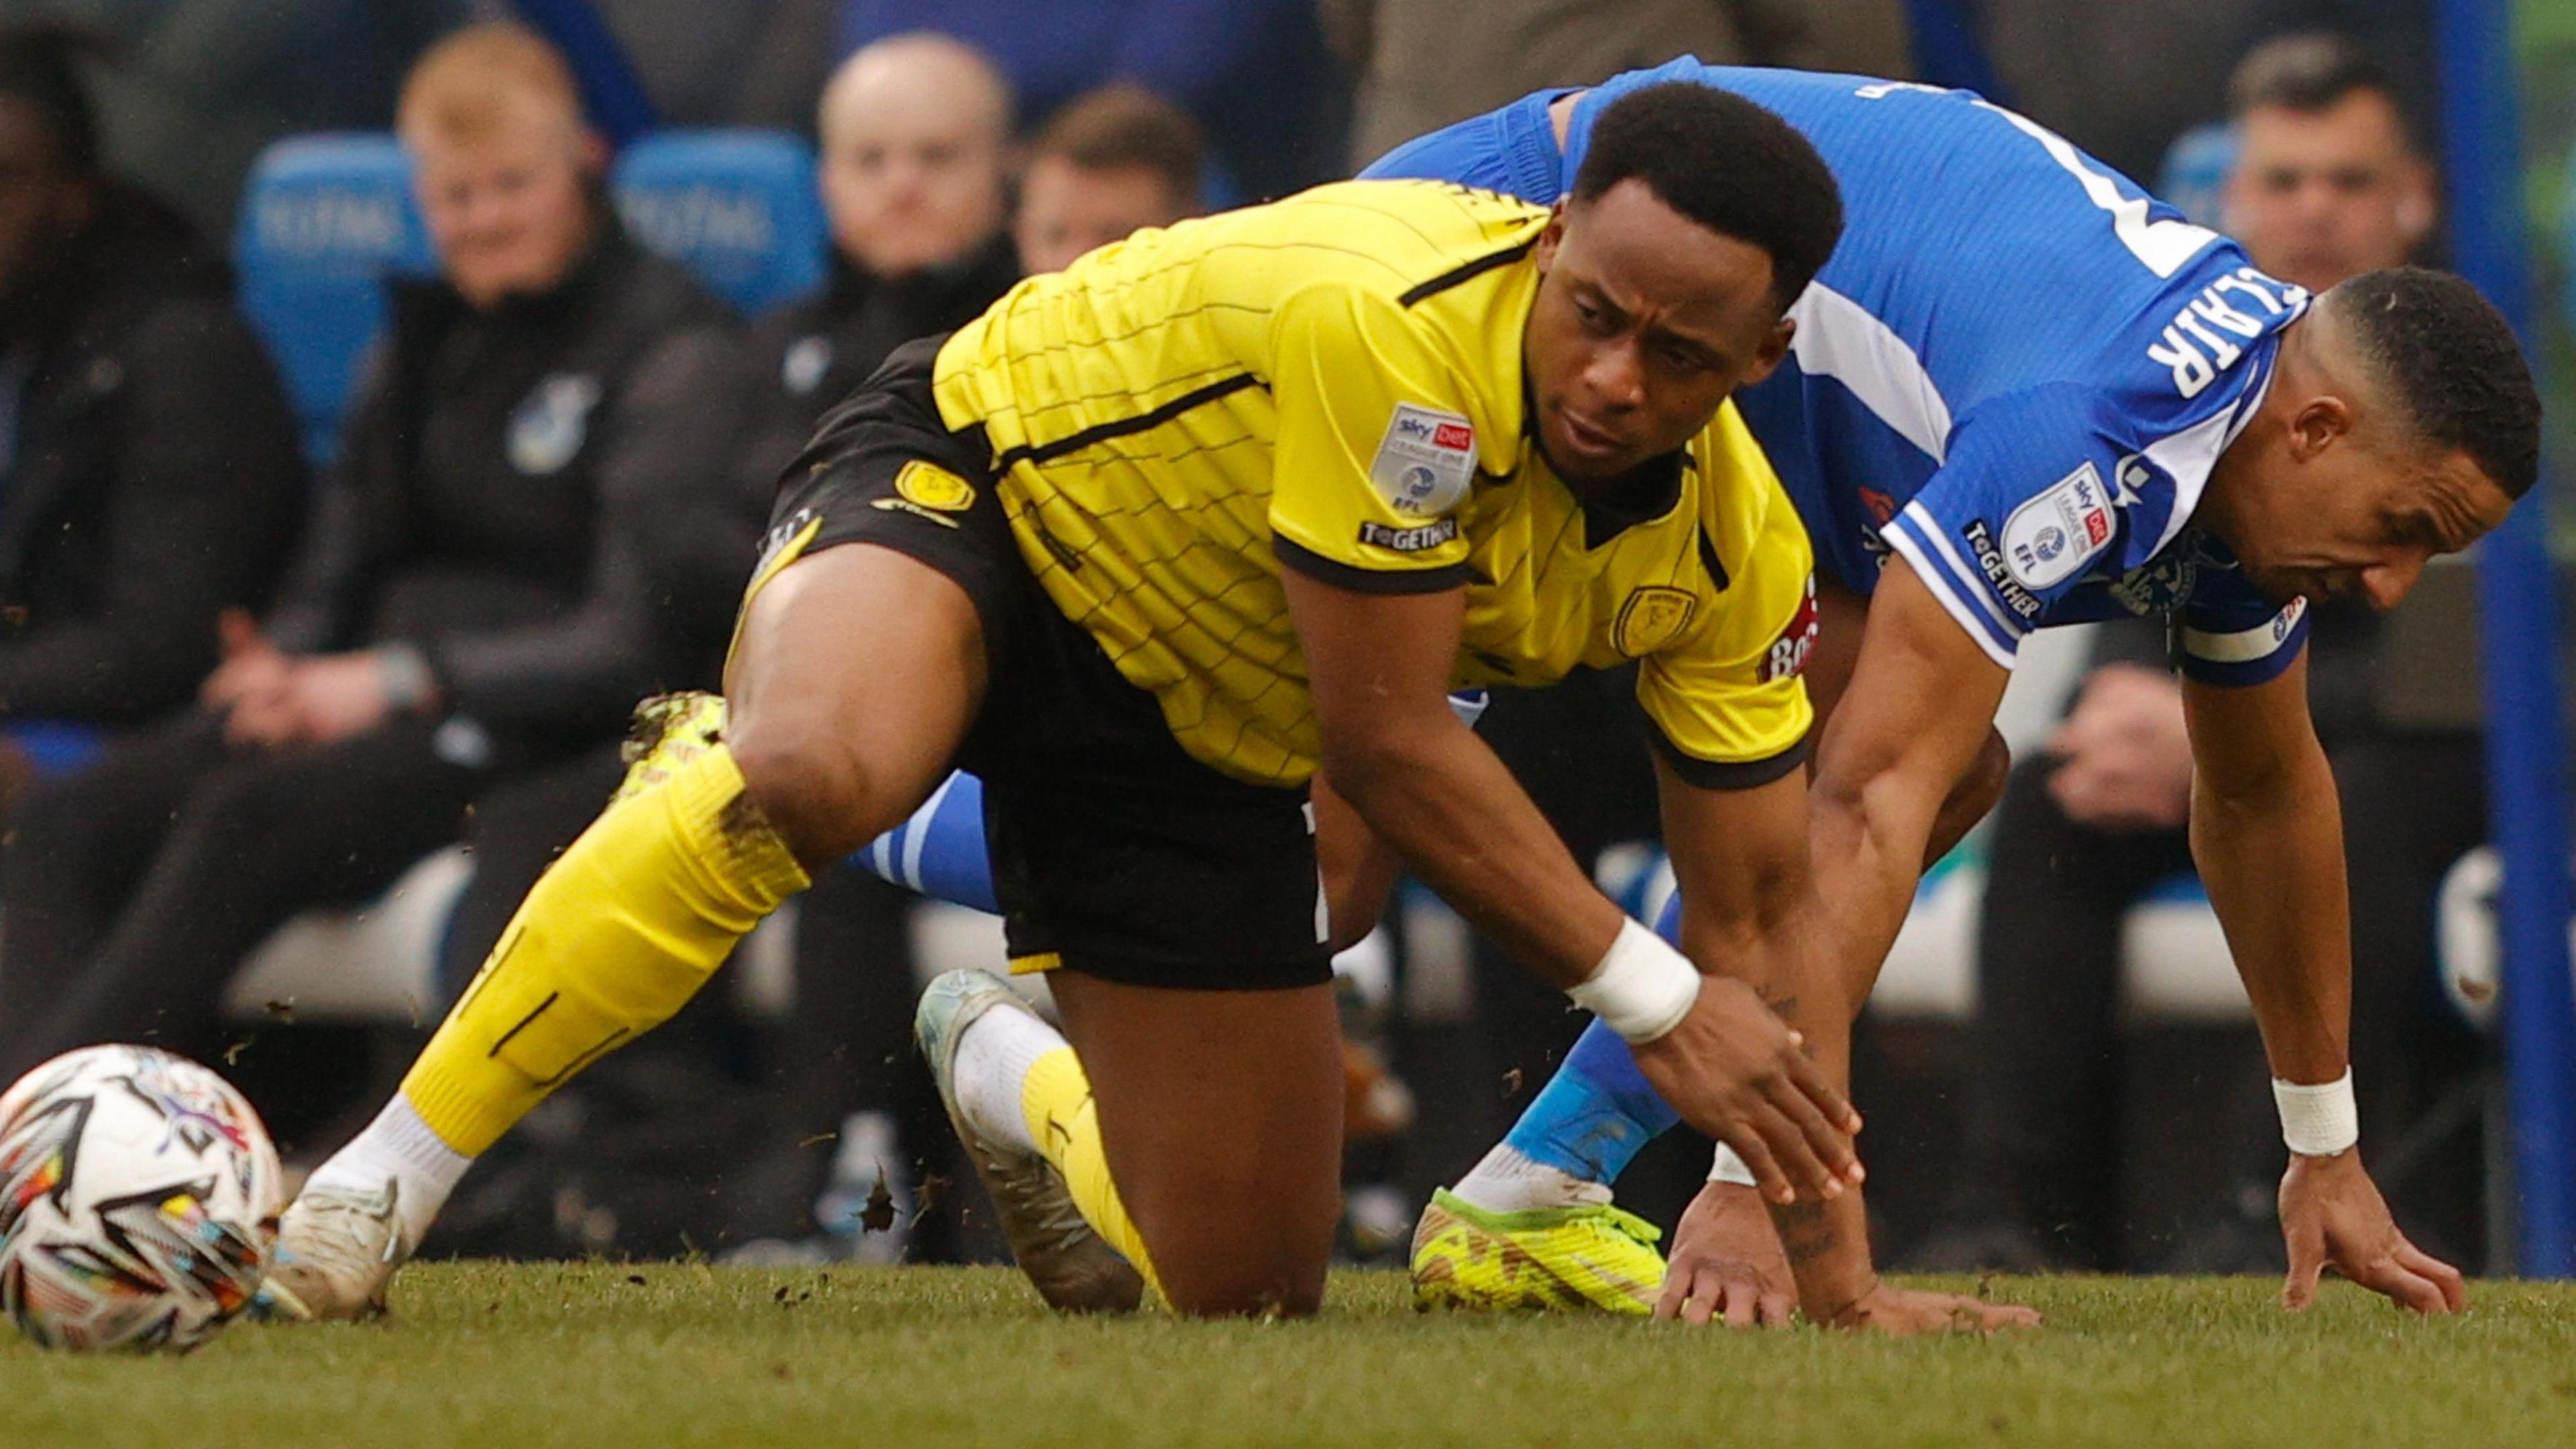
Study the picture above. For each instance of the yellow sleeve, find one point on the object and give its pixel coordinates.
(1376, 451)
(1728, 706)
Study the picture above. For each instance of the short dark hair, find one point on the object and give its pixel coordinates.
(1122, 127)
(2450, 365)
(1728, 165)
(40, 69)
(2307, 72)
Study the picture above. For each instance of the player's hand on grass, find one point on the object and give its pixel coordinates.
(1906, 1312)
(1727, 1263)
(2332, 1216)
(1733, 1070)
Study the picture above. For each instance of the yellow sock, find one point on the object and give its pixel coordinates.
(1055, 1098)
(616, 936)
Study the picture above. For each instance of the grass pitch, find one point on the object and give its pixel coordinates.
(509, 1356)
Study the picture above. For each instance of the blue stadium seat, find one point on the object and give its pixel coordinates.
(740, 208)
(324, 221)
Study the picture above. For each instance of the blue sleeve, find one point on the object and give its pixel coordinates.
(2030, 499)
(2232, 636)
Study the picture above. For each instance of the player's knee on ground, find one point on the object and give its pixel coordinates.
(1234, 1245)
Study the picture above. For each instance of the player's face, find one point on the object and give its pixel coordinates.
(2321, 196)
(510, 210)
(1644, 322)
(2356, 519)
(911, 180)
(1066, 210)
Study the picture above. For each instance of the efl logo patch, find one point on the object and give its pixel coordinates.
(1409, 540)
(2050, 539)
(1650, 618)
(1425, 461)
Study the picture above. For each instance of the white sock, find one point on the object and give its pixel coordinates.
(1510, 1181)
(993, 1060)
(399, 1148)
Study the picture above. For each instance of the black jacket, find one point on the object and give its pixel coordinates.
(795, 362)
(503, 470)
(157, 478)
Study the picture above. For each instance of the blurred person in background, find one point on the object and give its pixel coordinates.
(470, 604)
(1111, 163)
(2328, 184)
(916, 133)
(1422, 64)
(149, 471)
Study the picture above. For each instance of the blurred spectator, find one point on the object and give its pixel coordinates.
(149, 473)
(1254, 72)
(471, 603)
(1424, 64)
(915, 133)
(1112, 163)
(2327, 185)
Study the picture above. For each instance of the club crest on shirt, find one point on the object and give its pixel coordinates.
(550, 424)
(2050, 538)
(1425, 461)
(1650, 618)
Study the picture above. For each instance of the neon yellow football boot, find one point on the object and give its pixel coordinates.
(1574, 1260)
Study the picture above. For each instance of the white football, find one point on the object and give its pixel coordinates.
(138, 1198)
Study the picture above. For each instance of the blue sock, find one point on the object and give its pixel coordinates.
(939, 852)
(1597, 1112)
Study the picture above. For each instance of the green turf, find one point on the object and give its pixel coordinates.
(515, 1356)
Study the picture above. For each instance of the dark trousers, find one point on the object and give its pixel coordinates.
(2042, 1092)
(2041, 1100)
(135, 888)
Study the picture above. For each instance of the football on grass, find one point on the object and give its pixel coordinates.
(138, 1198)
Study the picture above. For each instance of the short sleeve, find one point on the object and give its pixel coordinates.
(2032, 498)
(1726, 700)
(1376, 452)
(2230, 635)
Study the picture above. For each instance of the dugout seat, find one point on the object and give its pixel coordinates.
(324, 221)
(739, 207)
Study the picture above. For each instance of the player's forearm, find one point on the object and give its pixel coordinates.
(1866, 837)
(2271, 857)
(1454, 813)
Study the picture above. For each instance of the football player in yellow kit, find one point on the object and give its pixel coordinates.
(1145, 546)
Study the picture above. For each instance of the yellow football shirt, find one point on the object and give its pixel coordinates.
(1333, 383)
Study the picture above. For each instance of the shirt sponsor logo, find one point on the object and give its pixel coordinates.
(1650, 619)
(1425, 461)
(1409, 540)
(1787, 656)
(549, 425)
(2050, 538)
(1990, 562)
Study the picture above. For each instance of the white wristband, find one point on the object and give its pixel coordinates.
(2318, 1121)
(1642, 988)
(1727, 1167)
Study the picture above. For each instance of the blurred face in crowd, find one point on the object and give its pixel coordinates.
(1644, 322)
(41, 202)
(1067, 209)
(914, 131)
(2321, 196)
(509, 203)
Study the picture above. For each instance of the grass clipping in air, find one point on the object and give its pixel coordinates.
(680, 1354)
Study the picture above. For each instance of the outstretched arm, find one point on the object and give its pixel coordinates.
(1420, 779)
(2267, 832)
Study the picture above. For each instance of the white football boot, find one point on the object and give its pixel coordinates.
(1072, 1268)
(336, 1252)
